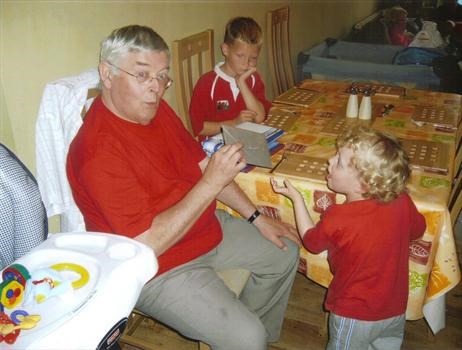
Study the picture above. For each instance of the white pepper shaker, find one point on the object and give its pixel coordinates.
(352, 105)
(365, 108)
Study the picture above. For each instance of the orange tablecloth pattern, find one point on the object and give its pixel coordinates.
(434, 267)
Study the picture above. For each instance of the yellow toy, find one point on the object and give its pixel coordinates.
(84, 275)
(27, 322)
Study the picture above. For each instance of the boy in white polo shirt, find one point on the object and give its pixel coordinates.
(233, 92)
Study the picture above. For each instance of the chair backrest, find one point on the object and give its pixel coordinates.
(455, 199)
(23, 220)
(192, 57)
(64, 103)
(280, 61)
(455, 205)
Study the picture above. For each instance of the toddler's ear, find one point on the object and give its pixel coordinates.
(363, 188)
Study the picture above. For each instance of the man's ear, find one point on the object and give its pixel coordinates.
(105, 74)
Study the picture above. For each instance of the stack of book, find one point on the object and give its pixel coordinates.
(272, 135)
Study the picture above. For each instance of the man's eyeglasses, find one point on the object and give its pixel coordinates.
(163, 79)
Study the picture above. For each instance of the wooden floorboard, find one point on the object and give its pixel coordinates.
(304, 325)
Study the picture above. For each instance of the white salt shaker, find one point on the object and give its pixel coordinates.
(365, 108)
(352, 105)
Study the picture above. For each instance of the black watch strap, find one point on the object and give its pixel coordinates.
(255, 215)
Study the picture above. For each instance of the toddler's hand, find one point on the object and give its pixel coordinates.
(287, 189)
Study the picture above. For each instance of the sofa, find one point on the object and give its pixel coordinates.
(351, 61)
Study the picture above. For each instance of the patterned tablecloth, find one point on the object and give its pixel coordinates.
(434, 267)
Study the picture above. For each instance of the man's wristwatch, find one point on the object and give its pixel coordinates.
(255, 215)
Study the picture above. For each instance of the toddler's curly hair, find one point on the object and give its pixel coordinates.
(381, 161)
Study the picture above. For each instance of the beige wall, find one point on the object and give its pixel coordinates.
(41, 41)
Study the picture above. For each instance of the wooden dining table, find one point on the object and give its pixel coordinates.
(311, 126)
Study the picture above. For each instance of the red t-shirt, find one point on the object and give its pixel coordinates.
(368, 252)
(123, 174)
(213, 100)
(398, 36)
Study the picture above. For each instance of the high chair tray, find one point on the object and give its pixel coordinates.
(80, 285)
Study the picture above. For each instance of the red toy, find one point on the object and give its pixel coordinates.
(11, 337)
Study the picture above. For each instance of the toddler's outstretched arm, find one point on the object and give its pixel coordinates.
(302, 216)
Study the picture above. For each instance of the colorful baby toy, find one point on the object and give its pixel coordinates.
(47, 282)
(12, 288)
(19, 287)
(9, 338)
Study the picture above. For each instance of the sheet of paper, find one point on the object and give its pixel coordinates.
(259, 128)
(256, 150)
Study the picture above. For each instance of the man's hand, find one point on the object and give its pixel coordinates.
(224, 165)
(274, 230)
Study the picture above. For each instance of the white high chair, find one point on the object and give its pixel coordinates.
(24, 240)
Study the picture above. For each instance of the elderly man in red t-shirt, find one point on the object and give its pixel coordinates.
(135, 171)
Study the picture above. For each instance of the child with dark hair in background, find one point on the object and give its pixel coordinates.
(367, 239)
(233, 92)
(396, 20)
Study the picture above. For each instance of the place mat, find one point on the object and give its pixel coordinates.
(427, 155)
(298, 97)
(424, 155)
(380, 89)
(281, 118)
(439, 117)
(337, 125)
(301, 166)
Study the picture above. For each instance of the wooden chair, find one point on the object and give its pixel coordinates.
(235, 279)
(280, 62)
(455, 199)
(456, 207)
(192, 57)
